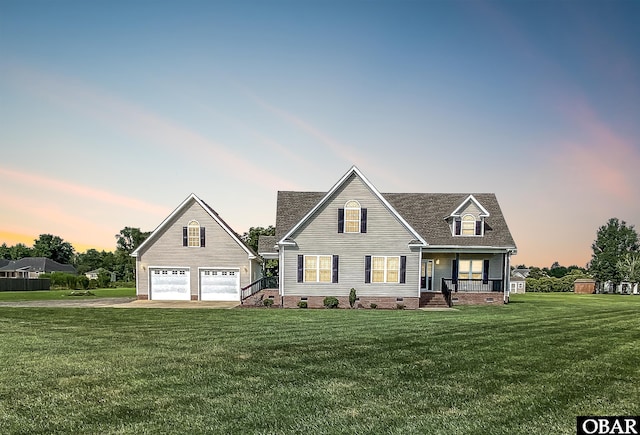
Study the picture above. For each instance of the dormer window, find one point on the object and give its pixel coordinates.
(468, 225)
(193, 235)
(352, 218)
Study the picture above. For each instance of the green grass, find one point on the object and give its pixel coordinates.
(526, 368)
(64, 294)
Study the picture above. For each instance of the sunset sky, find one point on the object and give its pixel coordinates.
(113, 112)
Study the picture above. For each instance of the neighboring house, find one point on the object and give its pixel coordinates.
(519, 280)
(396, 248)
(194, 255)
(93, 274)
(33, 267)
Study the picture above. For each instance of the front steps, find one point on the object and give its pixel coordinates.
(433, 300)
(256, 299)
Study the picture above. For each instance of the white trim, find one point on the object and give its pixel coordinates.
(180, 209)
(220, 268)
(483, 211)
(317, 280)
(384, 281)
(188, 275)
(341, 181)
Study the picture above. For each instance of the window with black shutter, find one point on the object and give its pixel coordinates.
(367, 269)
(334, 270)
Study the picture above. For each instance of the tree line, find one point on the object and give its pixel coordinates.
(615, 258)
(118, 261)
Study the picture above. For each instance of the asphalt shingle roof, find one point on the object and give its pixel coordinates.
(39, 264)
(425, 212)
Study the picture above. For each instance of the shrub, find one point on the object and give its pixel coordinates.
(373, 306)
(93, 283)
(331, 302)
(83, 282)
(400, 306)
(267, 302)
(352, 297)
(302, 304)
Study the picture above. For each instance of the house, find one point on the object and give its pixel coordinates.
(33, 267)
(409, 249)
(194, 255)
(519, 280)
(93, 274)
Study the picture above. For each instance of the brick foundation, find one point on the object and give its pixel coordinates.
(143, 297)
(488, 298)
(194, 297)
(363, 302)
(256, 300)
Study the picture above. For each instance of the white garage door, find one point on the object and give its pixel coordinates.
(220, 285)
(170, 284)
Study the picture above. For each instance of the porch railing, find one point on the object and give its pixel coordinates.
(446, 292)
(260, 284)
(472, 285)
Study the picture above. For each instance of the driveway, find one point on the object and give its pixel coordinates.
(117, 303)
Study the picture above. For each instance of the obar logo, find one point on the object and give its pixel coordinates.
(607, 425)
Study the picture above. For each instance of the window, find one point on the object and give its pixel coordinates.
(468, 226)
(352, 217)
(193, 234)
(470, 269)
(317, 268)
(385, 269)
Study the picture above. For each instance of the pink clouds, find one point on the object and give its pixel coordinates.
(67, 188)
(603, 160)
(131, 119)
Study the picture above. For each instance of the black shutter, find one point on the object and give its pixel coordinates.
(300, 267)
(485, 272)
(202, 237)
(185, 238)
(341, 220)
(363, 220)
(478, 227)
(367, 269)
(334, 271)
(403, 269)
(458, 224)
(454, 271)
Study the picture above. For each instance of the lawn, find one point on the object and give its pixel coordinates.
(64, 294)
(526, 368)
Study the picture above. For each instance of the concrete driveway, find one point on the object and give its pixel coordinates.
(117, 303)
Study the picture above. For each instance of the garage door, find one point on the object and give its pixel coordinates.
(170, 284)
(220, 285)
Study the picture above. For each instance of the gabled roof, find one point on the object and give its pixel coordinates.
(4, 262)
(180, 209)
(325, 197)
(38, 264)
(461, 207)
(424, 213)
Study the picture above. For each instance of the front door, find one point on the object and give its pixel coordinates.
(426, 275)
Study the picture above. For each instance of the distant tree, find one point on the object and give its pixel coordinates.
(5, 252)
(89, 260)
(536, 272)
(104, 278)
(53, 247)
(557, 271)
(19, 251)
(613, 242)
(251, 237)
(629, 267)
(129, 238)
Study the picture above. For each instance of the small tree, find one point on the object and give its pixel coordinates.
(613, 241)
(629, 267)
(352, 297)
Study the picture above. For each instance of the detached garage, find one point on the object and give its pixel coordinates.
(169, 284)
(194, 255)
(220, 285)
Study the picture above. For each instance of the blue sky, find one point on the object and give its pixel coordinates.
(111, 113)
